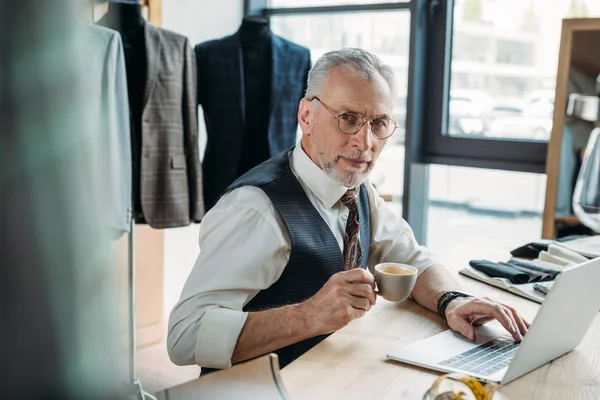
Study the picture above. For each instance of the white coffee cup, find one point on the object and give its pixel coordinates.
(395, 281)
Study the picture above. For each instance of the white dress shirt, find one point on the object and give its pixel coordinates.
(244, 249)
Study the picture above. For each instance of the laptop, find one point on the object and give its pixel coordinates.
(563, 319)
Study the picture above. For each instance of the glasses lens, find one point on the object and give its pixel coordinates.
(350, 123)
(383, 127)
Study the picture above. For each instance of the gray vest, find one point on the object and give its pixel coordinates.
(315, 253)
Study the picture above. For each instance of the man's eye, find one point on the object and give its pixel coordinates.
(349, 118)
(381, 122)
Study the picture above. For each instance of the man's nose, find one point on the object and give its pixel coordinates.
(364, 137)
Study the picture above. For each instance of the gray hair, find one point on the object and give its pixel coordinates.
(361, 62)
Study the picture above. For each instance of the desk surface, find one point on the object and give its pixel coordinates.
(352, 364)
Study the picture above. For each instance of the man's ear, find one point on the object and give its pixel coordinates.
(305, 115)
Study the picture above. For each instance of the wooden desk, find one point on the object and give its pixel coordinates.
(351, 363)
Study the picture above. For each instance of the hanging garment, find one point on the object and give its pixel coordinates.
(221, 92)
(108, 121)
(169, 171)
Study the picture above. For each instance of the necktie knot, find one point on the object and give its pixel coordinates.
(350, 198)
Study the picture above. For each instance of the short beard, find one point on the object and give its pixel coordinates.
(349, 178)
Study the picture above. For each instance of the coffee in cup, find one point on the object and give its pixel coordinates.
(395, 281)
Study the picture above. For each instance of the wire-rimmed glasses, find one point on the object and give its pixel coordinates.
(350, 123)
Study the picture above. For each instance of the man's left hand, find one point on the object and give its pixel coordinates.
(465, 313)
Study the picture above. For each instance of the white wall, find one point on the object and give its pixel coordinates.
(199, 20)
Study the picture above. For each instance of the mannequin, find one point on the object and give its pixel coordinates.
(255, 37)
(127, 19)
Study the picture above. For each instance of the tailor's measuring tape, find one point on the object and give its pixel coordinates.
(478, 391)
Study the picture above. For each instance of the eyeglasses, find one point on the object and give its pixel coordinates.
(351, 123)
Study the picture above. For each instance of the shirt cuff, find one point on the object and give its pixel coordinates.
(219, 331)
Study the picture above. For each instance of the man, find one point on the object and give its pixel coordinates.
(283, 251)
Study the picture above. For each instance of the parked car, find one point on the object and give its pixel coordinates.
(533, 121)
(466, 108)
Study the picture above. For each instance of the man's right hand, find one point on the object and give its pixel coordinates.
(346, 296)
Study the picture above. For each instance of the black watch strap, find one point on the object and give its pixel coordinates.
(446, 298)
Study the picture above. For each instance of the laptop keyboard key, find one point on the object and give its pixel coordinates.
(486, 358)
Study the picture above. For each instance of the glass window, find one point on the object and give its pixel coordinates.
(386, 34)
(503, 71)
(480, 213)
(313, 3)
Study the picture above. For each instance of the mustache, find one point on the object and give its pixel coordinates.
(365, 156)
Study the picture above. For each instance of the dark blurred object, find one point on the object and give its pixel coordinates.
(516, 274)
(530, 250)
(59, 329)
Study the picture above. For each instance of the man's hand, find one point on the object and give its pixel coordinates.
(464, 313)
(345, 296)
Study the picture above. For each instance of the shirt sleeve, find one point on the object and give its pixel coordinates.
(392, 239)
(205, 324)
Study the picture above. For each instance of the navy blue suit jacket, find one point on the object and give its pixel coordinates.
(221, 94)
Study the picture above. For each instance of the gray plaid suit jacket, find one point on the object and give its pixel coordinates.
(221, 94)
(171, 174)
(170, 170)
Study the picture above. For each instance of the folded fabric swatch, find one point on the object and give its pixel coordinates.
(545, 256)
(547, 272)
(529, 250)
(565, 253)
(496, 270)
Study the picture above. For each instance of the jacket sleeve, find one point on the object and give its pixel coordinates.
(116, 137)
(190, 121)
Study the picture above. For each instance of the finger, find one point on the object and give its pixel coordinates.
(358, 275)
(360, 302)
(514, 330)
(519, 320)
(488, 307)
(356, 312)
(462, 326)
(363, 290)
(482, 320)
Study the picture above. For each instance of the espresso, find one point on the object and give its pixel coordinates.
(395, 270)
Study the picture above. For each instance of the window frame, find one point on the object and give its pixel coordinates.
(439, 148)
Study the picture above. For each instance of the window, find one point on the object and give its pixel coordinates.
(505, 53)
(320, 3)
(516, 53)
(476, 213)
(386, 34)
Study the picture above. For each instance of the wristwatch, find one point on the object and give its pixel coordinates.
(446, 298)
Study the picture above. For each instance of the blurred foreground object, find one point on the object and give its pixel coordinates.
(459, 387)
(255, 379)
(57, 284)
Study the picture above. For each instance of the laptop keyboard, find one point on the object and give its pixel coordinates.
(487, 358)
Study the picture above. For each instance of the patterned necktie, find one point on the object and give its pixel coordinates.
(352, 250)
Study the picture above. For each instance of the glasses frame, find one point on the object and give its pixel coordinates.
(362, 119)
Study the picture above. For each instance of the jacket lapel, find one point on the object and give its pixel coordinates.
(153, 48)
(235, 66)
(279, 50)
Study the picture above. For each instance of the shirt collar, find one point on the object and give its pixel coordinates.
(327, 190)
